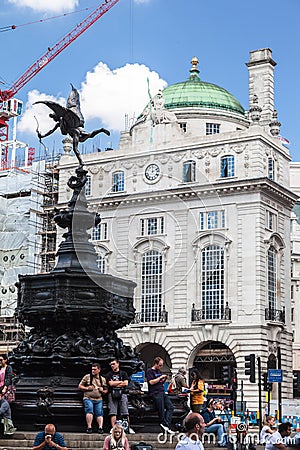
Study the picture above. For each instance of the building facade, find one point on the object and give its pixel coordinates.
(195, 206)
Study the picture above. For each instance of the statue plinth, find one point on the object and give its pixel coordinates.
(74, 312)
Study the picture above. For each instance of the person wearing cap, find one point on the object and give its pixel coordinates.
(94, 386)
(214, 424)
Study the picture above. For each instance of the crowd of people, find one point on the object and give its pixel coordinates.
(201, 419)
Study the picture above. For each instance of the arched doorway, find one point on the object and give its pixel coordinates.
(148, 351)
(211, 359)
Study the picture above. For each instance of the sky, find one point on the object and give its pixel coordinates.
(138, 39)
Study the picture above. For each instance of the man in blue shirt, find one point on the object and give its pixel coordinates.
(49, 439)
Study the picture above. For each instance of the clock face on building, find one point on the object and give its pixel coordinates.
(152, 172)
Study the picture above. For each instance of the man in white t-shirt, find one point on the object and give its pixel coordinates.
(194, 425)
(278, 439)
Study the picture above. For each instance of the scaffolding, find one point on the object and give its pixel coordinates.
(28, 234)
(11, 333)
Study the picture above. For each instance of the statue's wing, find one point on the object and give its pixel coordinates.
(70, 118)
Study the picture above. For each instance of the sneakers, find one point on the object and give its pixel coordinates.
(100, 430)
(89, 430)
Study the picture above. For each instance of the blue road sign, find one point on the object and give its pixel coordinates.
(139, 377)
(274, 376)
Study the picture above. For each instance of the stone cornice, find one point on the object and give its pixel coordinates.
(268, 187)
(202, 144)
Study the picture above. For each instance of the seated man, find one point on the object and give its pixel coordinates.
(214, 424)
(49, 439)
(5, 417)
(278, 439)
(94, 387)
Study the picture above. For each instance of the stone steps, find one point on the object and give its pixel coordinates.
(82, 441)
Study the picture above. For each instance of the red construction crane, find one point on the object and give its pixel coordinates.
(10, 107)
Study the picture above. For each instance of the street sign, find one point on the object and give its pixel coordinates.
(274, 376)
(138, 376)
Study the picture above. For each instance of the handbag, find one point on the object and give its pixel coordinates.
(10, 394)
(116, 393)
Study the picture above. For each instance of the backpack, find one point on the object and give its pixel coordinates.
(172, 385)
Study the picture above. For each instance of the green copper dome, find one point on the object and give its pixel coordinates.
(195, 92)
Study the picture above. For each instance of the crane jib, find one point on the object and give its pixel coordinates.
(57, 49)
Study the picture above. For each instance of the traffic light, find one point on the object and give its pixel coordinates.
(226, 374)
(264, 377)
(234, 381)
(250, 367)
(296, 383)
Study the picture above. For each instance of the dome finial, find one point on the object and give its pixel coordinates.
(194, 69)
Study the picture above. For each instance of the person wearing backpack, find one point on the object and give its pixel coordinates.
(180, 381)
(94, 387)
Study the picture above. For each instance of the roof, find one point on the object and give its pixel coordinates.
(197, 93)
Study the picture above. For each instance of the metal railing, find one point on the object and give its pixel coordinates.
(275, 315)
(204, 314)
(151, 316)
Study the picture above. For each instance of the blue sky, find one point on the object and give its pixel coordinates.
(136, 39)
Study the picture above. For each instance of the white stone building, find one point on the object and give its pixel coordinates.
(195, 206)
(295, 270)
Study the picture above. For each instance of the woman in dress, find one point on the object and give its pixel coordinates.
(196, 391)
(117, 439)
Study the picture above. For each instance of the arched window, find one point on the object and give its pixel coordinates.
(118, 181)
(212, 275)
(151, 286)
(189, 171)
(227, 166)
(272, 292)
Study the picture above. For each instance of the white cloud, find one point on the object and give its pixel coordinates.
(106, 95)
(27, 123)
(110, 94)
(56, 6)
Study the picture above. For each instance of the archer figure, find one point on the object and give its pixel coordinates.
(70, 121)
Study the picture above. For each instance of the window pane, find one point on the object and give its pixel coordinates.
(118, 182)
(213, 282)
(101, 263)
(151, 286)
(272, 278)
(227, 166)
(189, 171)
(271, 169)
(88, 185)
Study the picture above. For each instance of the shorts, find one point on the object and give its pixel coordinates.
(114, 404)
(93, 407)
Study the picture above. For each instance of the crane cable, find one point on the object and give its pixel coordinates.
(13, 27)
